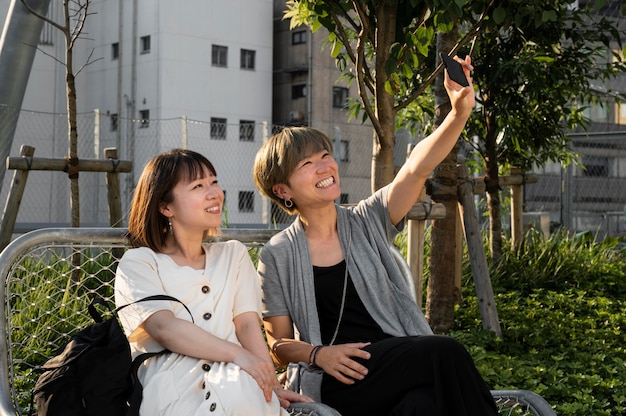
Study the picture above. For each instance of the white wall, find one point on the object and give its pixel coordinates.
(176, 78)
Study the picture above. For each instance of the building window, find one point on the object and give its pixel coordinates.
(298, 91)
(343, 198)
(246, 201)
(144, 118)
(597, 112)
(596, 166)
(340, 96)
(298, 38)
(343, 152)
(115, 51)
(113, 122)
(48, 31)
(246, 130)
(247, 59)
(219, 55)
(144, 44)
(218, 128)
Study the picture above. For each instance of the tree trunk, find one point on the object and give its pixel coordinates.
(72, 156)
(441, 294)
(492, 186)
(383, 169)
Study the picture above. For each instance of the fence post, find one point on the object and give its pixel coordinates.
(567, 219)
(9, 216)
(478, 259)
(266, 203)
(113, 189)
(415, 253)
(517, 222)
(458, 256)
(184, 137)
(96, 132)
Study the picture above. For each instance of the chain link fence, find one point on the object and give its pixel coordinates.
(230, 147)
(588, 196)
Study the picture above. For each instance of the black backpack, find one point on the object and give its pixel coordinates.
(93, 375)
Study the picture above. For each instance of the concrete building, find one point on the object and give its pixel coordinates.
(589, 195)
(156, 75)
(308, 92)
(219, 77)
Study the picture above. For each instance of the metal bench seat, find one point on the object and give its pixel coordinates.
(49, 277)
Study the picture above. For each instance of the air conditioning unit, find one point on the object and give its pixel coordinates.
(296, 116)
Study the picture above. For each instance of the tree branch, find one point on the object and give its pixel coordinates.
(464, 40)
(88, 62)
(40, 16)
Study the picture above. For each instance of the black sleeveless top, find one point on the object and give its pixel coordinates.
(357, 325)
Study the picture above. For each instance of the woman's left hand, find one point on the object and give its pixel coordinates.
(261, 370)
(461, 98)
(286, 397)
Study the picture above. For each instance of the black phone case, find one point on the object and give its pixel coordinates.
(455, 70)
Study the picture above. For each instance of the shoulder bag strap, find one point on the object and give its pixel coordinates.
(134, 402)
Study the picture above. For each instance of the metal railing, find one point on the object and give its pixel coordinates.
(50, 276)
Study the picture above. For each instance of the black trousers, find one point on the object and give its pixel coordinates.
(414, 376)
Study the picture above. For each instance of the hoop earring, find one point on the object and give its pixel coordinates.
(288, 203)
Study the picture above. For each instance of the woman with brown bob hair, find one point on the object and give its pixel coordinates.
(218, 362)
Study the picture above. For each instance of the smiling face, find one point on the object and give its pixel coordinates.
(313, 182)
(196, 204)
(292, 149)
(176, 168)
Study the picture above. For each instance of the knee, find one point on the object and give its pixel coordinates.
(448, 346)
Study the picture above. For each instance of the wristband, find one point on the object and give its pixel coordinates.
(313, 356)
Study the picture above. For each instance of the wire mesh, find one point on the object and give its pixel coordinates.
(48, 289)
(513, 406)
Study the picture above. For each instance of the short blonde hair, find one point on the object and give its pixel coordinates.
(278, 157)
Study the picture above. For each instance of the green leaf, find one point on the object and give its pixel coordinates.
(549, 16)
(407, 71)
(499, 14)
(388, 88)
(391, 65)
(336, 50)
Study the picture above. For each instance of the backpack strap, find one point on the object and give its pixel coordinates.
(98, 300)
(156, 297)
(134, 402)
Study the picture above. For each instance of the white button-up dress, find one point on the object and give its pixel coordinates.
(178, 385)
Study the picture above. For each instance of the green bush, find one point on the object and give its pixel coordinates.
(560, 302)
(561, 306)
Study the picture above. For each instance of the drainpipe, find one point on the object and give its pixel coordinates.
(18, 43)
(309, 87)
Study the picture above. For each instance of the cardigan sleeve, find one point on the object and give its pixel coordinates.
(274, 302)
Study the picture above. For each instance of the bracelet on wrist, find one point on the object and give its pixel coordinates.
(313, 356)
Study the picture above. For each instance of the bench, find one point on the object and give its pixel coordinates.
(49, 277)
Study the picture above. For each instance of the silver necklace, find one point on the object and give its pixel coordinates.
(345, 290)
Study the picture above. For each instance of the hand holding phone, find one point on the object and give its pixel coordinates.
(455, 70)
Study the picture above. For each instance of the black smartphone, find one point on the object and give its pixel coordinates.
(455, 70)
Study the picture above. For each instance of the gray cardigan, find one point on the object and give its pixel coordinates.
(287, 274)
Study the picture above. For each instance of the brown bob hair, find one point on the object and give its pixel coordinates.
(147, 227)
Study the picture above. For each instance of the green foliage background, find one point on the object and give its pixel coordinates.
(562, 309)
(561, 303)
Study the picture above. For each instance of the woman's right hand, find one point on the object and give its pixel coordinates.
(338, 361)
